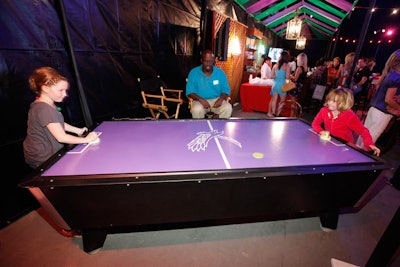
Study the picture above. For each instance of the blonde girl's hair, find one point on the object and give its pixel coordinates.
(391, 64)
(343, 97)
(302, 60)
(349, 58)
(44, 76)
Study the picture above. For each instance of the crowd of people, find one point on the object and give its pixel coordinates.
(343, 89)
(208, 87)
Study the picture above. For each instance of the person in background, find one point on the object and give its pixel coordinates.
(265, 74)
(361, 77)
(208, 86)
(320, 77)
(280, 72)
(266, 67)
(344, 70)
(299, 76)
(292, 64)
(320, 74)
(385, 102)
(372, 66)
(47, 131)
(337, 119)
(333, 71)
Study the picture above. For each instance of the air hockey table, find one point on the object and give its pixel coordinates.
(165, 174)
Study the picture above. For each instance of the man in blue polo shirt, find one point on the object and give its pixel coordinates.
(208, 86)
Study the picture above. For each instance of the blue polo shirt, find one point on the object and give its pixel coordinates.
(207, 88)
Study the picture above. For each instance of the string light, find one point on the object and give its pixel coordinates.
(381, 36)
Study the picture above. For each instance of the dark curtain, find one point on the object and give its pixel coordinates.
(114, 43)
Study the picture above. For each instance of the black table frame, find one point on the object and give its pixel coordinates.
(97, 205)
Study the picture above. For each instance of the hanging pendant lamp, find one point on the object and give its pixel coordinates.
(293, 28)
(301, 42)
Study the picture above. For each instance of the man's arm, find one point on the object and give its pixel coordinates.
(203, 102)
(361, 82)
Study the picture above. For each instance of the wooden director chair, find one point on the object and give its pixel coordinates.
(289, 108)
(159, 100)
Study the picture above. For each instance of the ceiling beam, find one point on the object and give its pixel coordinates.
(332, 10)
(322, 17)
(319, 31)
(322, 12)
(305, 20)
(316, 25)
(342, 4)
(259, 5)
(284, 25)
(273, 9)
(317, 16)
(321, 24)
(293, 8)
(282, 13)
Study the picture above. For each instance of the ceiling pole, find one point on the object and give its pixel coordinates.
(332, 55)
(361, 39)
(81, 93)
(328, 51)
(203, 24)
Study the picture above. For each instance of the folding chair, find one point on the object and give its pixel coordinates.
(159, 100)
(289, 108)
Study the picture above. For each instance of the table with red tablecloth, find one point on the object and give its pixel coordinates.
(254, 97)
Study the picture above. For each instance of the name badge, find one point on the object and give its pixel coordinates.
(215, 82)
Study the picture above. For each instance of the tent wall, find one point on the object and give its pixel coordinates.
(113, 43)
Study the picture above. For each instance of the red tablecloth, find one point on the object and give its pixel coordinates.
(254, 97)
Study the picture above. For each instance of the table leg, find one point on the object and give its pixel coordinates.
(93, 240)
(387, 245)
(329, 219)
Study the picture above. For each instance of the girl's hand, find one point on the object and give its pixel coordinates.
(325, 135)
(376, 150)
(91, 137)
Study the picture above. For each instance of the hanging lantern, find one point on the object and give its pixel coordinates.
(293, 28)
(301, 42)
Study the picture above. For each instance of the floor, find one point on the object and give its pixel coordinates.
(32, 241)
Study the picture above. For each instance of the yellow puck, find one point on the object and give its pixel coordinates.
(258, 155)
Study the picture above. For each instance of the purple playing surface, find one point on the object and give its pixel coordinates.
(190, 145)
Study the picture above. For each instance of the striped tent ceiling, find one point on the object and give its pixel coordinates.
(320, 19)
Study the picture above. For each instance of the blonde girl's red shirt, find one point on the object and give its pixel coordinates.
(343, 126)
